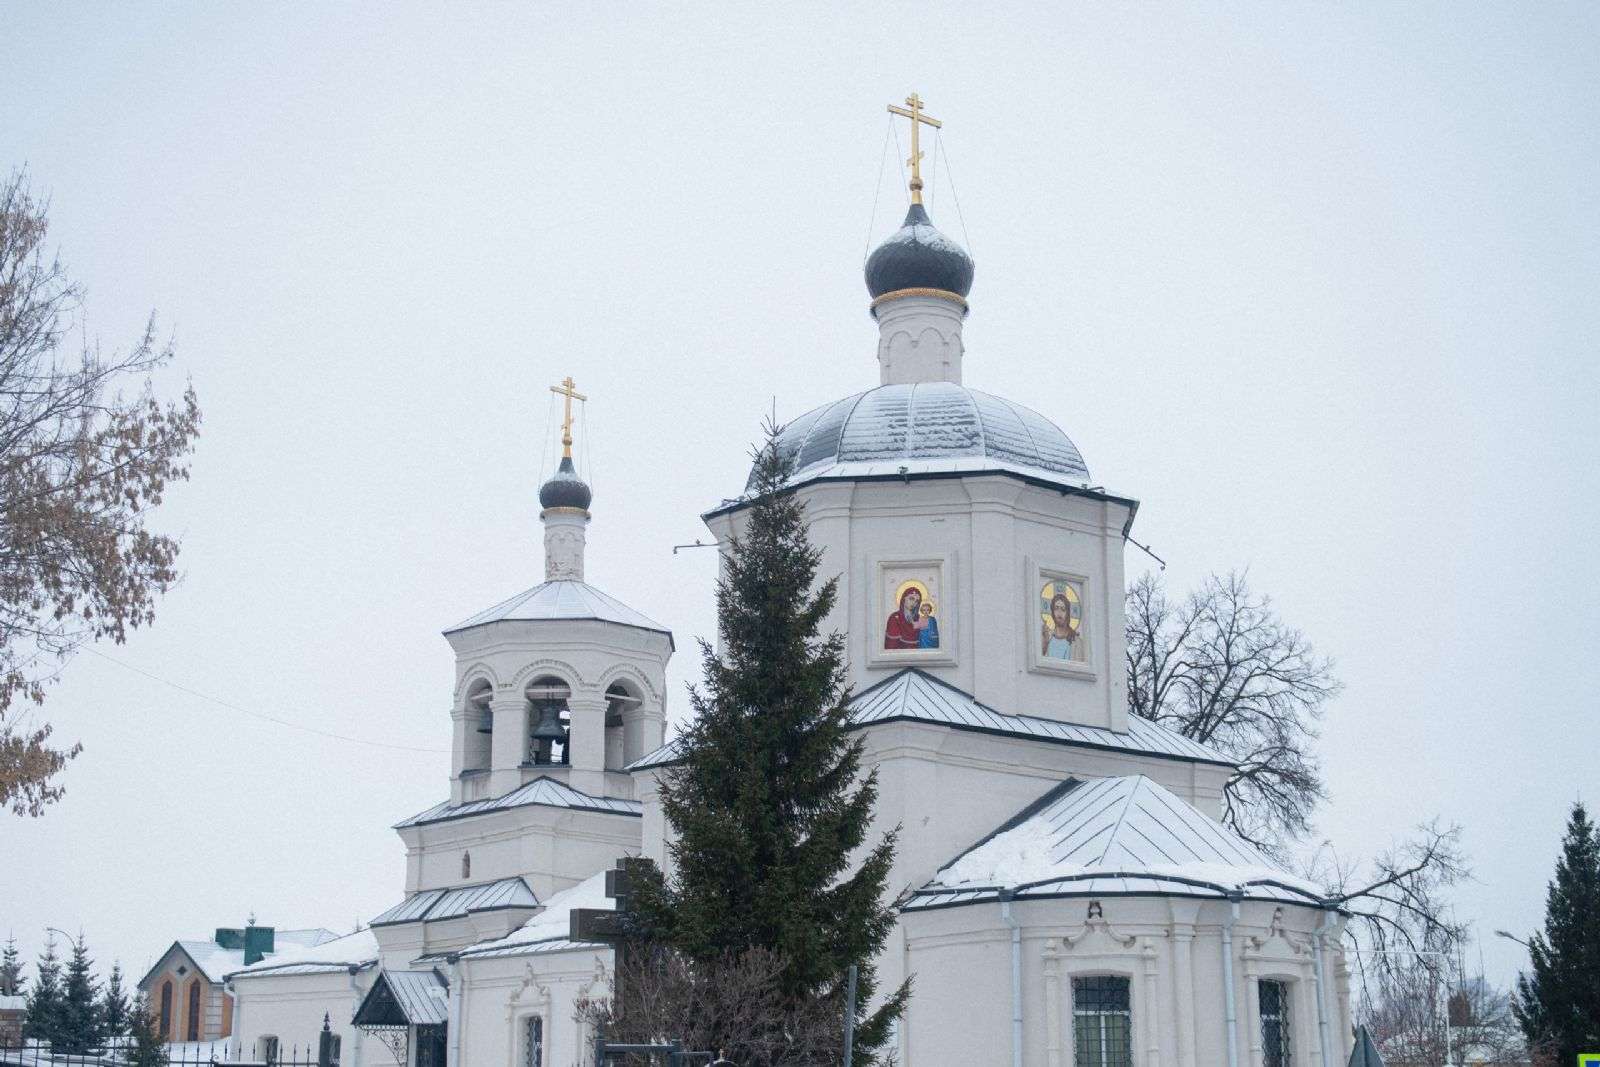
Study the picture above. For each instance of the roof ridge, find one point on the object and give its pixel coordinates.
(1122, 816)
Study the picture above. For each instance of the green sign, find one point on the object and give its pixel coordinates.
(1589, 1059)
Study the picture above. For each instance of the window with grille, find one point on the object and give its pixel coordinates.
(1275, 1038)
(269, 1048)
(1102, 1022)
(533, 1042)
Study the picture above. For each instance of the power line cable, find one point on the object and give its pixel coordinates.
(260, 715)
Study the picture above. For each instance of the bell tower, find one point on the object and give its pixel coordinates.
(560, 681)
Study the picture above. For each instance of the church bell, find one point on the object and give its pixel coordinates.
(548, 733)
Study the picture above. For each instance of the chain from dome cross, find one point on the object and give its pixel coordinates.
(914, 103)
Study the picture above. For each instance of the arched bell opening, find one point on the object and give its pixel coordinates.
(549, 722)
(479, 747)
(622, 701)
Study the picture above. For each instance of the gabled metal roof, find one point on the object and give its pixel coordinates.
(436, 904)
(1365, 1052)
(565, 601)
(544, 791)
(1111, 836)
(402, 998)
(912, 695)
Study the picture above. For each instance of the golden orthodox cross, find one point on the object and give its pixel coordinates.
(568, 394)
(914, 102)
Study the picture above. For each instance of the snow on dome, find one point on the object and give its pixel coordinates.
(925, 427)
(1110, 835)
(918, 256)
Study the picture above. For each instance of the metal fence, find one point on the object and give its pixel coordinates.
(318, 1053)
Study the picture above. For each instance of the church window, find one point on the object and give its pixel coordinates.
(466, 865)
(192, 1031)
(1102, 1022)
(166, 1011)
(269, 1048)
(1275, 1036)
(533, 1042)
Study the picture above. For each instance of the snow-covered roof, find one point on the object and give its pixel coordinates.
(1110, 836)
(215, 962)
(433, 905)
(565, 601)
(913, 695)
(548, 931)
(923, 428)
(359, 950)
(419, 998)
(544, 791)
(13, 1002)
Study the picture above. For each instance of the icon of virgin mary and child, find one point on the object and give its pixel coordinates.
(913, 625)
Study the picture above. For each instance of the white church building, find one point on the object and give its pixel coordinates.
(1066, 892)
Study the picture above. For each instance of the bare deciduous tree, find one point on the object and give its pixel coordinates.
(733, 1005)
(1417, 1009)
(1222, 668)
(81, 465)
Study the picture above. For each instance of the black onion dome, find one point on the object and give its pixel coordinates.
(565, 489)
(917, 256)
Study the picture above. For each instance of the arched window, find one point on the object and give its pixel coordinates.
(466, 865)
(269, 1048)
(479, 747)
(620, 701)
(1276, 1045)
(549, 722)
(166, 1010)
(192, 1027)
(1102, 1022)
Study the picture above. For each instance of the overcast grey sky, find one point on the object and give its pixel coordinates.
(1316, 285)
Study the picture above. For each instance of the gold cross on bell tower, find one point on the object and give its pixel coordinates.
(569, 394)
(914, 102)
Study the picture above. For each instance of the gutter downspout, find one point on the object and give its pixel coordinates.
(238, 1013)
(355, 991)
(453, 1015)
(1322, 1006)
(1231, 999)
(1006, 896)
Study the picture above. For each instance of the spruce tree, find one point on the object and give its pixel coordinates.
(1558, 1004)
(42, 1019)
(114, 1009)
(79, 1027)
(769, 802)
(11, 980)
(145, 1047)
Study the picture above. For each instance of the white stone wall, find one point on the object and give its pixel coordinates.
(553, 848)
(291, 1007)
(1170, 949)
(500, 993)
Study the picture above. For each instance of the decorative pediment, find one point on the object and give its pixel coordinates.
(1095, 937)
(528, 993)
(1278, 943)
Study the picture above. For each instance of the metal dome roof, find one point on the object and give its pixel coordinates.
(918, 256)
(565, 489)
(928, 427)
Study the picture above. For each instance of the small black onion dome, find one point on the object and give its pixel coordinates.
(565, 489)
(917, 256)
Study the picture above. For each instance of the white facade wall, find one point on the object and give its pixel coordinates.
(291, 1007)
(1169, 948)
(553, 848)
(992, 533)
(500, 993)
